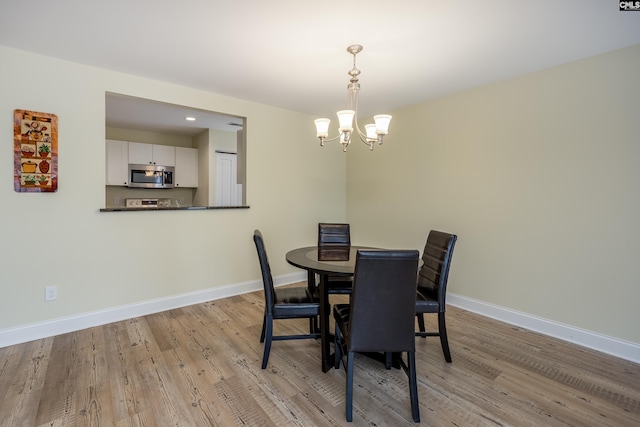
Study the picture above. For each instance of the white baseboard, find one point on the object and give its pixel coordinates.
(22, 334)
(616, 347)
(609, 345)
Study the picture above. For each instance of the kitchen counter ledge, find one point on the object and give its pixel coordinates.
(184, 208)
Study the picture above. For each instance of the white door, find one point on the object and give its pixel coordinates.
(228, 191)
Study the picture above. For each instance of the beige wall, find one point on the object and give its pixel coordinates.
(540, 178)
(201, 194)
(94, 257)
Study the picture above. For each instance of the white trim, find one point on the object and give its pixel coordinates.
(606, 344)
(593, 340)
(22, 334)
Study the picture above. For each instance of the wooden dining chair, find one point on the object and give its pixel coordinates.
(283, 303)
(380, 316)
(432, 285)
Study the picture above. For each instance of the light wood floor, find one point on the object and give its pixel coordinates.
(200, 366)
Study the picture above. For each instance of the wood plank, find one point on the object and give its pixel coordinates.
(22, 373)
(58, 398)
(200, 365)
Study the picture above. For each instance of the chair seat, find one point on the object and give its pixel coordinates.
(340, 284)
(294, 302)
(426, 304)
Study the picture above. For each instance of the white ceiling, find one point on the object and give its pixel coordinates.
(142, 114)
(292, 53)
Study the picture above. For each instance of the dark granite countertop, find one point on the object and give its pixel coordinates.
(183, 208)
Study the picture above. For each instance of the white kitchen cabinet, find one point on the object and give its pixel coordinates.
(152, 154)
(117, 162)
(186, 174)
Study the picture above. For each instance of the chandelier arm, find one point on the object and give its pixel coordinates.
(332, 139)
(363, 136)
(354, 101)
(367, 141)
(355, 119)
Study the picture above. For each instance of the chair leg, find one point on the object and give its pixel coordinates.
(337, 346)
(442, 329)
(349, 397)
(421, 327)
(268, 335)
(388, 356)
(312, 282)
(413, 386)
(264, 324)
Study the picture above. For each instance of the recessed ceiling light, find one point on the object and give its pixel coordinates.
(190, 119)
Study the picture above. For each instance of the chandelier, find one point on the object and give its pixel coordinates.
(373, 132)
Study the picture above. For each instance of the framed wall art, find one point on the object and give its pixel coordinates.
(35, 152)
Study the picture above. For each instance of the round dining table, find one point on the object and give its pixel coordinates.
(324, 263)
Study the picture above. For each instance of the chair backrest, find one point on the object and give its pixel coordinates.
(383, 301)
(267, 278)
(436, 260)
(333, 234)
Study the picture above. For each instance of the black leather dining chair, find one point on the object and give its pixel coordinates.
(380, 316)
(334, 234)
(334, 242)
(432, 285)
(283, 303)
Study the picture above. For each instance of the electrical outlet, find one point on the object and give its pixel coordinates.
(181, 200)
(116, 200)
(50, 293)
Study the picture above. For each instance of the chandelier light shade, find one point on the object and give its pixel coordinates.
(373, 132)
(345, 117)
(322, 127)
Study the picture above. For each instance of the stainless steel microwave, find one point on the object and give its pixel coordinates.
(151, 176)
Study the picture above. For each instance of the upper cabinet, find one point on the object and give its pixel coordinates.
(117, 165)
(120, 153)
(151, 154)
(186, 167)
